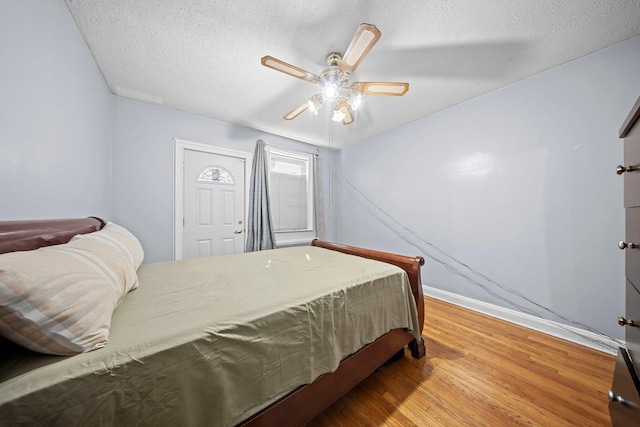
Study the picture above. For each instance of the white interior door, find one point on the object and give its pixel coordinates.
(214, 204)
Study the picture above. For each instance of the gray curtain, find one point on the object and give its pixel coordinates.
(317, 195)
(260, 233)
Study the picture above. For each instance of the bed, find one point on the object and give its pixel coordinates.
(264, 338)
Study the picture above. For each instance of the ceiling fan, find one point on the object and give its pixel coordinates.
(335, 90)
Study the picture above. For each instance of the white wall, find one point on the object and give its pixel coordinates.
(143, 164)
(55, 116)
(518, 184)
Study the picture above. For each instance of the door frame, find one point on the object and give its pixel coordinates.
(180, 145)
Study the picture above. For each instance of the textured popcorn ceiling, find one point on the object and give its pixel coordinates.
(203, 56)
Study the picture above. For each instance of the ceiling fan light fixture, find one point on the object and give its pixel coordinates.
(330, 83)
(342, 112)
(315, 103)
(330, 91)
(355, 100)
(338, 114)
(348, 117)
(335, 91)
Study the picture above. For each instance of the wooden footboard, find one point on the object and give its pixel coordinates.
(303, 404)
(409, 264)
(27, 235)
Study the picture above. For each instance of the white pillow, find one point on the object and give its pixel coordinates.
(59, 299)
(120, 238)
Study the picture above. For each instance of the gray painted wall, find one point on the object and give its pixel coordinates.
(143, 165)
(518, 184)
(55, 116)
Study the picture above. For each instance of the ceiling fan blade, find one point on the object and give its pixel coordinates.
(296, 111)
(381, 88)
(348, 117)
(283, 67)
(342, 107)
(366, 36)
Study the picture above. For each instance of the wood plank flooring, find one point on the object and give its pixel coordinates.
(481, 371)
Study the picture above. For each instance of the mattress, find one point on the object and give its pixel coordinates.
(211, 341)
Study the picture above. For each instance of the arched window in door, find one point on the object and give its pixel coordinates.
(215, 175)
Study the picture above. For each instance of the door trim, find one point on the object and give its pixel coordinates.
(180, 146)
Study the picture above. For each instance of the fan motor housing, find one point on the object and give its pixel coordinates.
(333, 59)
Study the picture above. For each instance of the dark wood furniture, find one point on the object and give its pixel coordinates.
(27, 235)
(624, 396)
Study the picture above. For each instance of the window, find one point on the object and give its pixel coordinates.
(215, 174)
(291, 195)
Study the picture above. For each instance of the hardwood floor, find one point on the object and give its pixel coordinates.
(481, 371)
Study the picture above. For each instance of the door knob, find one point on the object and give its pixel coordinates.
(615, 398)
(626, 322)
(622, 169)
(624, 245)
(237, 232)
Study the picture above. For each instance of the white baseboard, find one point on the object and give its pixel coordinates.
(559, 330)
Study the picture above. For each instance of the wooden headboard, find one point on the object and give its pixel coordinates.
(27, 235)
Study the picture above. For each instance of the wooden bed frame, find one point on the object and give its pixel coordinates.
(303, 404)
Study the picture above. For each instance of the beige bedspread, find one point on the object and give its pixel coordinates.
(212, 340)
